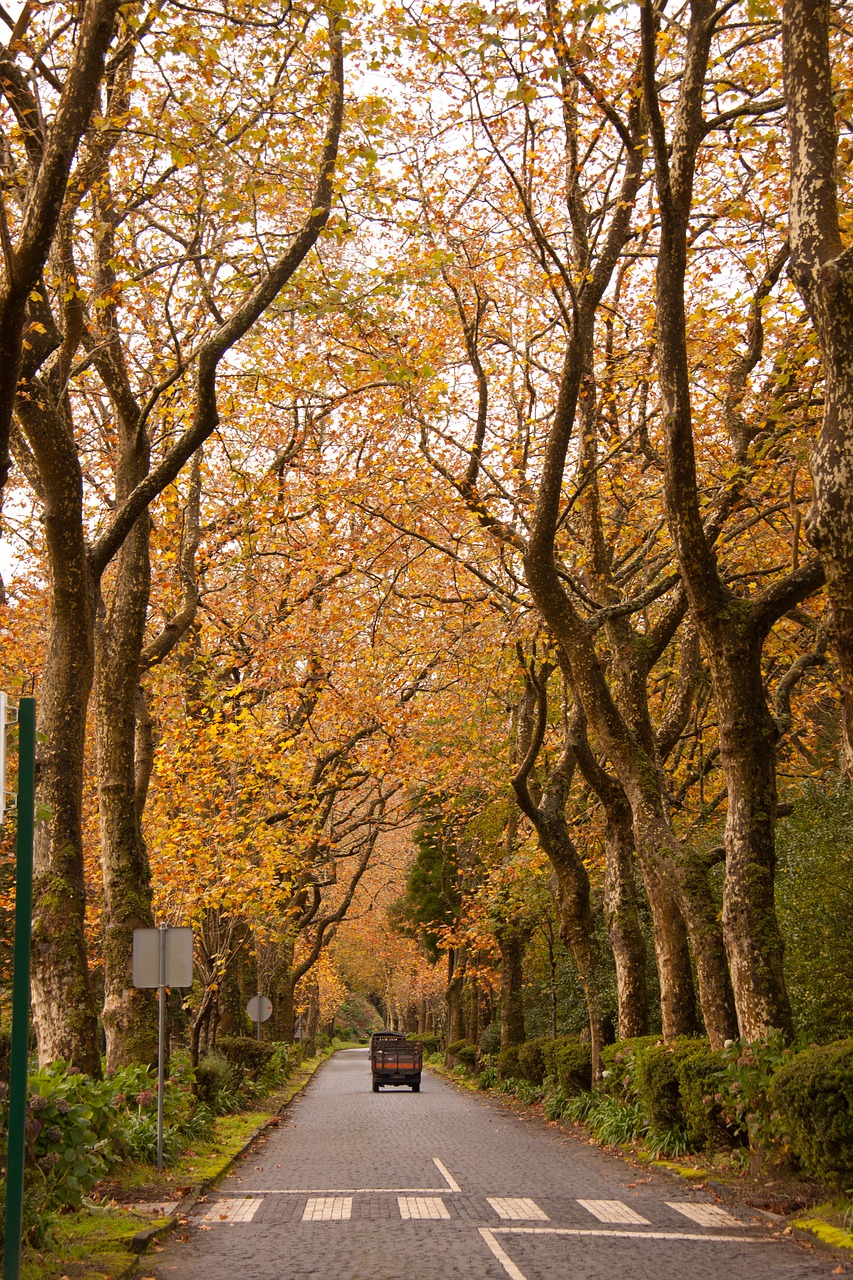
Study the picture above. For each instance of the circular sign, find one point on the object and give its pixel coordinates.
(259, 1008)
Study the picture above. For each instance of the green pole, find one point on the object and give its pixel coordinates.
(20, 987)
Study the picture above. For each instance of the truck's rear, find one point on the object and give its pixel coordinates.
(395, 1061)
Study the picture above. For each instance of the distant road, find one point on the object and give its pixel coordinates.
(445, 1185)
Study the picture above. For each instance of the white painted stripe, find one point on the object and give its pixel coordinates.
(328, 1209)
(422, 1208)
(612, 1211)
(629, 1235)
(233, 1210)
(506, 1262)
(706, 1215)
(448, 1177)
(349, 1191)
(517, 1208)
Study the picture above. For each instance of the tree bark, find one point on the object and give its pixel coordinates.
(512, 939)
(822, 268)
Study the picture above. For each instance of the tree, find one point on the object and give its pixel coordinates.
(822, 268)
(63, 1006)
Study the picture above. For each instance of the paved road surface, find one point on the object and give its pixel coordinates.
(443, 1185)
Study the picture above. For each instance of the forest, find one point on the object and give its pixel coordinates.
(426, 448)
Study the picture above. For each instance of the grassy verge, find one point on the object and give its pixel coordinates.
(95, 1244)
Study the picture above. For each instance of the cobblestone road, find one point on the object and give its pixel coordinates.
(443, 1185)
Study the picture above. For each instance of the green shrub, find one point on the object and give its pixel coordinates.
(246, 1055)
(657, 1086)
(813, 1095)
(531, 1060)
(467, 1055)
(750, 1067)
(430, 1042)
(276, 1069)
(488, 1078)
(619, 1063)
(509, 1065)
(70, 1121)
(568, 1062)
(217, 1084)
(700, 1070)
(490, 1039)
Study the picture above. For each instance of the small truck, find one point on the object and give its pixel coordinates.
(395, 1060)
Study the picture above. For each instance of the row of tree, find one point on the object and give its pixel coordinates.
(437, 427)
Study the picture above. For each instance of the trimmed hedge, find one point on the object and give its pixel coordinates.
(569, 1062)
(509, 1066)
(813, 1092)
(531, 1060)
(656, 1082)
(245, 1054)
(565, 1060)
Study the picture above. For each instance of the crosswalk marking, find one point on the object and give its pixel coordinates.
(412, 1207)
(517, 1208)
(705, 1215)
(328, 1209)
(612, 1211)
(242, 1210)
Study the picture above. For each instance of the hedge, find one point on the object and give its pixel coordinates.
(568, 1062)
(247, 1055)
(813, 1093)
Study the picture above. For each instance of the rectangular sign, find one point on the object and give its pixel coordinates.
(179, 957)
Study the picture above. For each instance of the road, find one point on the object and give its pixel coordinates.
(446, 1185)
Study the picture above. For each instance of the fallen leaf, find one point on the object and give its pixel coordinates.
(839, 1270)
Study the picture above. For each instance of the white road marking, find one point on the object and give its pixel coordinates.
(448, 1177)
(612, 1211)
(517, 1208)
(349, 1191)
(422, 1207)
(328, 1209)
(242, 1210)
(706, 1215)
(629, 1235)
(506, 1262)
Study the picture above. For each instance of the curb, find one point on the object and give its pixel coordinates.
(139, 1243)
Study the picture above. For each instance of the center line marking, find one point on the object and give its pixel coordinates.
(448, 1177)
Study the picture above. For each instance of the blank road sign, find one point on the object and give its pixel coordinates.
(179, 957)
(259, 1005)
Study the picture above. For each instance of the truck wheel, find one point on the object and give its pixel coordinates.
(375, 1087)
(416, 1088)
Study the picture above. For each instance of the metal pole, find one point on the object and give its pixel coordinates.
(161, 1047)
(20, 987)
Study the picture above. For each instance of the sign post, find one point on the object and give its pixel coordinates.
(20, 984)
(162, 958)
(259, 1009)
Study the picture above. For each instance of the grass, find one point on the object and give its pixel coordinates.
(95, 1244)
(87, 1247)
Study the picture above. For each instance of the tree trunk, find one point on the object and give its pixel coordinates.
(64, 1014)
(748, 736)
(822, 268)
(512, 941)
(456, 965)
(130, 1015)
(623, 924)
